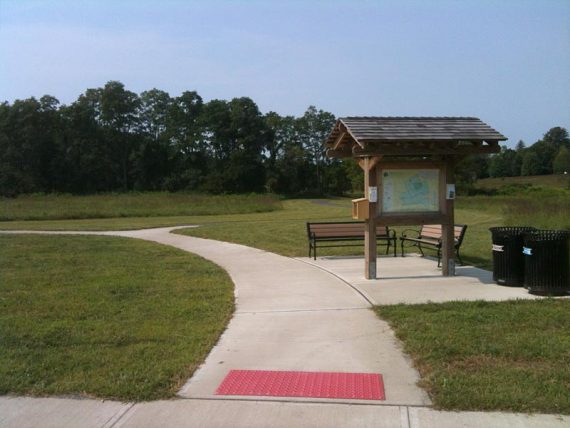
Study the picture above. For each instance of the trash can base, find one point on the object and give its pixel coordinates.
(549, 291)
(509, 283)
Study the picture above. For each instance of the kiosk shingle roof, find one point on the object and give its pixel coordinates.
(372, 129)
(377, 136)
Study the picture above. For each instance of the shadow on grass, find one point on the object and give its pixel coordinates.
(480, 262)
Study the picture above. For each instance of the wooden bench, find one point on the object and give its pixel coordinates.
(344, 232)
(430, 236)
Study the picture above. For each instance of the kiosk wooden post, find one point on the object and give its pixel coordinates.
(448, 229)
(368, 164)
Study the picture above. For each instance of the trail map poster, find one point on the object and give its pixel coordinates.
(410, 190)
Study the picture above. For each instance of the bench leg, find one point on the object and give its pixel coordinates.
(391, 241)
(458, 256)
(315, 250)
(421, 251)
(438, 257)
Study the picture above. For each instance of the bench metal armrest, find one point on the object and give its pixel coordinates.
(404, 233)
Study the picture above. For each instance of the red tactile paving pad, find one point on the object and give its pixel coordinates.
(357, 386)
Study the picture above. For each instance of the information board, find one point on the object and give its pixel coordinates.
(410, 190)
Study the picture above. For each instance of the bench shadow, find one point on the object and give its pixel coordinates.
(409, 277)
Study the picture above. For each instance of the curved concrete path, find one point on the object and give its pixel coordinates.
(289, 316)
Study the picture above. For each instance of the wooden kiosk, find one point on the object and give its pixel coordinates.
(408, 165)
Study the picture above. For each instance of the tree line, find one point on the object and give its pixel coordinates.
(112, 139)
(549, 155)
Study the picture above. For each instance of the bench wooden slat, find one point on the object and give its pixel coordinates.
(434, 231)
(425, 241)
(339, 226)
(332, 233)
(429, 234)
(344, 231)
(340, 229)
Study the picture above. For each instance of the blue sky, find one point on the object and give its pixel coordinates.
(507, 62)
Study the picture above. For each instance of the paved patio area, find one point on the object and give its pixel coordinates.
(415, 279)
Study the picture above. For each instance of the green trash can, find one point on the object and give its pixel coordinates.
(508, 259)
(547, 262)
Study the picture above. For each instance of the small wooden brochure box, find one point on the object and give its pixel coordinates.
(360, 209)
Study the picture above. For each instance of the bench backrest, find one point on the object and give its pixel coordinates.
(341, 229)
(433, 231)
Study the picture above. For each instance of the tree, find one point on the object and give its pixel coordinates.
(28, 132)
(250, 137)
(558, 137)
(120, 120)
(12, 176)
(547, 149)
(504, 164)
(544, 153)
(89, 158)
(336, 178)
(294, 173)
(283, 155)
(355, 174)
(470, 169)
(189, 157)
(520, 146)
(51, 145)
(531, 164)
(151, 158)
(236, 136)
(154, 113)
(561, 163)
(282, 134)
(184, 127)
(313, 129)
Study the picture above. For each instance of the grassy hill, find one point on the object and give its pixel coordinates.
(555, 181)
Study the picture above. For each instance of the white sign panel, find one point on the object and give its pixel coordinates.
(373, 194)
(450, 191)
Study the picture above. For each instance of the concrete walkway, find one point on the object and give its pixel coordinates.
(290, 316)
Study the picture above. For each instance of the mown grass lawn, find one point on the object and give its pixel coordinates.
(132, 205)
(511, 356)
(285, 211)
(104, 316)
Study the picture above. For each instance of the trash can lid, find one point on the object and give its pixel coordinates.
(547, 235)
(511, 230)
